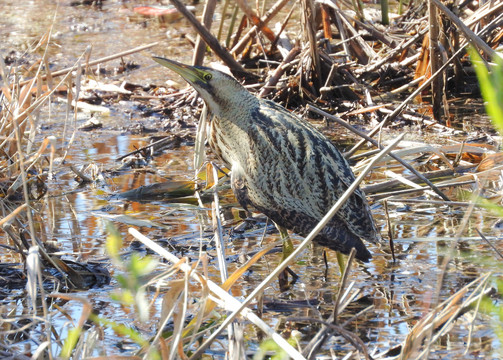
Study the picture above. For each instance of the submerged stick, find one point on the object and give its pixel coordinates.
(319, 339)
(198, 353)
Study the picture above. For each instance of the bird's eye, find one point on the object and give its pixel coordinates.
(207, 77)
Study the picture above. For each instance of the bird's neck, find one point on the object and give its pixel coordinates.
(230, 126)
(235, 108)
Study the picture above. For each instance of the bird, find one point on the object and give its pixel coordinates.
(281, 165)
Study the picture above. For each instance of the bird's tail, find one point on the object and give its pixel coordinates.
(341, 239)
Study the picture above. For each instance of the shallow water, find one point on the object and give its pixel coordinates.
(73, 216)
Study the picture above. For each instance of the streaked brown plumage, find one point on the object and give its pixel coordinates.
(281, 165)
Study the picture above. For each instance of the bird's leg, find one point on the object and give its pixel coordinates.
(287, 242)
(340, 262)
(287, 250)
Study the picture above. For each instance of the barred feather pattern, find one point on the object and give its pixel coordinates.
(285, 168)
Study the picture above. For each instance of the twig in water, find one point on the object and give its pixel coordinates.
(490, 244)
(383, 195)
(346, 334)
(343, 294)
(342, 285)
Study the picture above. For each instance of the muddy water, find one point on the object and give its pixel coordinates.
(72, 217)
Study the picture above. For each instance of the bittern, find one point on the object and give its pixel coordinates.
(280, 164)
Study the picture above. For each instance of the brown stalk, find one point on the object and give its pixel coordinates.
(239, 47)
(402, 106)
(397, 50)
(282, 41)
(361, 49)
(378, 34)
(209, 10)
(435, 60)
(273, 80)
(242, 25)
(310, 35)
(256, 20)
(210, 40)
(325, 20)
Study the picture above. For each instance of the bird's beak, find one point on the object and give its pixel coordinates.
(189, 73)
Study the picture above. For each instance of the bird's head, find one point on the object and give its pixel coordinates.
(220, 91)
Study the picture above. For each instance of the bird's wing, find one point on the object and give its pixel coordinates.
(306, 169)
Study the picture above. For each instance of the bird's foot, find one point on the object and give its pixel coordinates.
(284, 283)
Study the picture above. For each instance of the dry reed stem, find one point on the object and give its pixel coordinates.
(469, 34)
(434, 59)
(310, 38)
(210, 40)
(437, 322)
(443, 270)
(12, 215)
(402, 106)
(227, 301)
(383, 195)
(200, 47)
(239, 47)
(273, 80)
